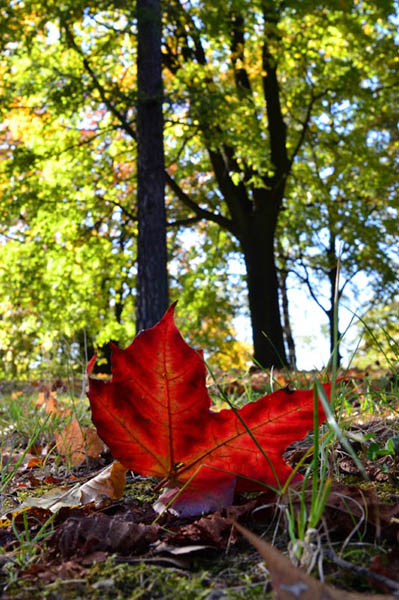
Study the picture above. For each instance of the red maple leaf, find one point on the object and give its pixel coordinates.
(155, 416)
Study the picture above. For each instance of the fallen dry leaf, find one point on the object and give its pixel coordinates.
(109, 483)
(76, 443)
(47, 398)
(46, 572)
(386, 565)
(51, 405)
(70, 443)
(93, 444)
(100, 532)
(164, 548)
(289, 582)
(34, 461)
(212, 529)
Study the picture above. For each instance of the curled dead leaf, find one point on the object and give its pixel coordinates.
(109, 483)
(100, 532)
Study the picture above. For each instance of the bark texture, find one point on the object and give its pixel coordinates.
(288, 336)
(262, 285)
(152, 285)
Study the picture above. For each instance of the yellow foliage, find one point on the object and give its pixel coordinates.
(232, 355)
(24, 124)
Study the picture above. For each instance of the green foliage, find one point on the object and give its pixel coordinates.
(198, 280)
(68, 174)
(342, 198)
(379, 328)
(390, 448)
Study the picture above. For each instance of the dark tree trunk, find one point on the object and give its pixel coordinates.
(264, 307)
(332, 277)
(288, 337)
(152, 284)
(263, 295)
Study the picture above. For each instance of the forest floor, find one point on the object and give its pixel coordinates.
(57, 542)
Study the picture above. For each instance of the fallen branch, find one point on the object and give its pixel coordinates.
(344, 564)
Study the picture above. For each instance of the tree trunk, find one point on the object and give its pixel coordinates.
(332, 277)
(263, 296)
(152, 284)
(288, 337)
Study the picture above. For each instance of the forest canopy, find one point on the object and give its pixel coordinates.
(281, 151)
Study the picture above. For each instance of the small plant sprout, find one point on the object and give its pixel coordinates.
(305, 546)
(391, 448)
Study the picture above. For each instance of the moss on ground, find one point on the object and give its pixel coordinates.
(235, 576)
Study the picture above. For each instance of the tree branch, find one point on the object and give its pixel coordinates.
(271, 90)
(306, 280)
(126, 212)
(305, 125)
(222, 158)
(237, 54)
(125, 124)
(202, 213)
(363, 572)
(184, 222)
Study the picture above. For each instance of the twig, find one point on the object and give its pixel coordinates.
(344, 564)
